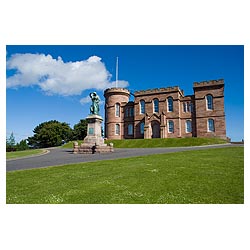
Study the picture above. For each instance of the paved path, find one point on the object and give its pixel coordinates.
(60, 156)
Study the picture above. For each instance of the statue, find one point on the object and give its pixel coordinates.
(94, 108)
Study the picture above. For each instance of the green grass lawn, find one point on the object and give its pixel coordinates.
(17, 154)
(159, 142)
(205, 176)
(167, 142)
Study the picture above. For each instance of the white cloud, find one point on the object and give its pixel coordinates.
(85, 100)
(54, 76)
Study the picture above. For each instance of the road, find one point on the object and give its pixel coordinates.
(60, 156)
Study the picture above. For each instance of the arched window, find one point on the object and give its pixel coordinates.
(170, 104)
(117, 129)
(117, 109)
(210, 125)
(156, 105)
(130, 129)
(142, 128)
(170, 126)
(188, 126)
(209, 100)
(142, 107)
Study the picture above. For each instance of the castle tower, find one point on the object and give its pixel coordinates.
(115, 101)
(209, 106)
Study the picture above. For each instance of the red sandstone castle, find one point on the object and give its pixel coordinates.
(166, 112)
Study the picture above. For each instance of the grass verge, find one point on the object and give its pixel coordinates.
(17, 154)
(159, 142)
(206, 176)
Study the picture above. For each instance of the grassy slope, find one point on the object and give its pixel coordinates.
(169, 142)
(205, 176)
(17, 154)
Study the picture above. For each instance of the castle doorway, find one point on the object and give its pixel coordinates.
(155, 129)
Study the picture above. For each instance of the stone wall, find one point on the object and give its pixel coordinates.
(216, 89)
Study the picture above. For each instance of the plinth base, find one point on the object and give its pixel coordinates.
(88, 148)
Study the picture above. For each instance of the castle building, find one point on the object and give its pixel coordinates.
(166, 112)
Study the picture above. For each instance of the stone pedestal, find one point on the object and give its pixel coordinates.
(93, 142)
(94, 131)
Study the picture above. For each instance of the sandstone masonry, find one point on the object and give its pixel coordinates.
(166, 112)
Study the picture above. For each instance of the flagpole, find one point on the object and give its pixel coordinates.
(116, 82)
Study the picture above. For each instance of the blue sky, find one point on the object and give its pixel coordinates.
(37, 94)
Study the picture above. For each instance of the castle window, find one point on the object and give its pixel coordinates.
(209, 100)
(210, 125)
(117, 109)
(191, 107)
(170, 104)
(117, 129)
(142, 128)
(188, 126)
(187, 107)
(126, 112)
(131, 112)
(170, 126)
(130, 129)
(156, 105)
(142, 107)
(184, 107)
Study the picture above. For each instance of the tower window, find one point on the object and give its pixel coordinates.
(210, 125)
(156, 105)
(170, 127)
(188, 126)
(117, 129)
(170, 104)
(142, 107)
(209, 100)
(117, 109)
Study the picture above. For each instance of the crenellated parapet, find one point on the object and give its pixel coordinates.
(116, 91)
(157, 90)
(208, 83)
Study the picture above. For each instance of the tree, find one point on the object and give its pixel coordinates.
(11, 143)
(22, 145)
(80, 130)
(50, 134)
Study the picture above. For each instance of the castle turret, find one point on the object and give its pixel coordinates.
(115, 101)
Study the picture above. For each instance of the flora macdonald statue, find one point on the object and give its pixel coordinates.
(94, 108)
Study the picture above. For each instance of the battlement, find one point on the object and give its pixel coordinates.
(119, 91)
(208, 83)
(157, 90)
